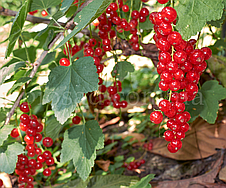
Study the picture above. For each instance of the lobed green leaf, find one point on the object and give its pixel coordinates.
(80, 144)
(67, 85)
(206, 102)
(193, 15)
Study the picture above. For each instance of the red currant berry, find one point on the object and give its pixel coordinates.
(184, 127)
(38, 166)
(49, 161)
(169, 14)
(196, 56)
(179, 57)
(168, 135)
(171, 149)
(165, 28)
(163, 86)
(64, 62)
(207, 52)
(125, 8)
(177, 144)
(24, 107)
(46, 172)
(163, 1)
(156, 117)
(14, 133)
(187, 116)
(164, 105)
(47, 142)
(135, 14)
(174, 38)
(76, 120)
(44, 13)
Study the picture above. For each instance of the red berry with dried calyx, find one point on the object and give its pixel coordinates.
(156, 117)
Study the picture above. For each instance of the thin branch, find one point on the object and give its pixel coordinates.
(38, 62)
(35, 20)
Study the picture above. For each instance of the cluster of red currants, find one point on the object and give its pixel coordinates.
(112, 92)
(148, 146)
(180, 67)
(134, 165)
(112, 17)
(73, 50)
(34, 157)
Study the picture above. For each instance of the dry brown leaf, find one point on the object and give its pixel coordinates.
(209, 137)
(136, 136)
(196, 182)
(222, 174)
(104, 165)
(111, 122)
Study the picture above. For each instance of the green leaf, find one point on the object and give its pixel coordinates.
(100, 181)
(147, 25)
(193, 15)
(2, 114)
(63, 9)
(21, 81)
(112, 181)
(5, 71)
(80, 144)
(53, 128)
(205, 103)
(48, 39)
(121, 69)
(86, 16)
(50, 57)
(17, 26)
(67, 85)
(130, 159)
(32, 96)
(119, 158)
(217, 65)
(43, 4)
(144, 182)
(8, 156)
(4, 132)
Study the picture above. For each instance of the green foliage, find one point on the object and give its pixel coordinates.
(4, 132)
(217, 65)
(8, 156)
(108, 181)
(67, 85)
(17, 26)
(20, 82)
(121, 69)
(50, 57)
(95, 9)
(144, 182)
(53, 128)
(5, 71)
(80, 144)
(43, 4)
(193, 15)
(205, 103)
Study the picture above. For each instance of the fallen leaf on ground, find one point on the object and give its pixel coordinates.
(111, 122)
(136, 136)
(104, 165)
(222, 174)
(208, 137)
(196, 182)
